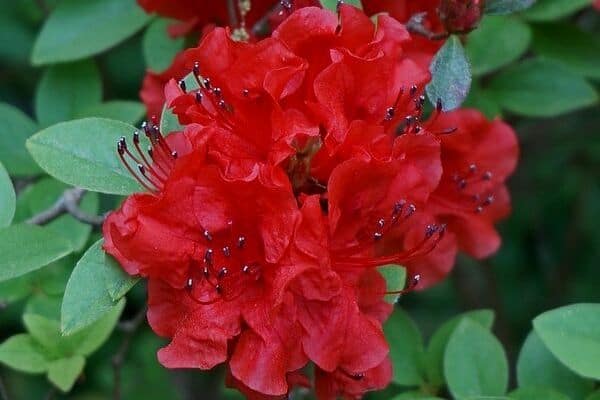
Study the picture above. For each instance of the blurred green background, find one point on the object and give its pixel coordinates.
(551, 243)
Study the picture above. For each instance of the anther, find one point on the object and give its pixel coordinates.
(206, 272)
(246, 269)
(462, 184)
(226, 251)
(217, 92)
(241, 242)
(411, 210)
(489, 200)
(142, 169)
(487, 176)
(206, 83)
(222, 273)
(245, 92)
(472, 168)
(413, 90)
(196, 69)
(189, 283)
(174, 154)
(182, 86)
(377, 236)
(479, 209)
(357, 377)
(199, 96)
(381, 223)
(218, 289)
(136, 137)
(208, 257)
(389, 113)
(207, 235)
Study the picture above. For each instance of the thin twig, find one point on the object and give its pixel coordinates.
(129, 329)
(68, 203)
(51, 394)
(3, 392)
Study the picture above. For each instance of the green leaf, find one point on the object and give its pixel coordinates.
(572, 334)
(14, 290)
(332, 4)
(450, 75)
(537, 367)
(130, 112)
(536, 393)
(546, 10)
(498, 41)
(415, 396)
(541, 88)
(565, 43)
(22, 353)
(64, 372)
(87, 298)
(8, 199)
(395, 278)
(66, 89)
(117, 281)
(434, 358)
(15, 129)
(25, 248)
(484, 101)
(406, 349)
(45, 330)
(44, 194)
(474, 362)
(159, 48)
(594, 396)
(84, 153)
(501, 7)
(78, 29)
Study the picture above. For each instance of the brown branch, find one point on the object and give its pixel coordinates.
(68, 203)
(129, 329)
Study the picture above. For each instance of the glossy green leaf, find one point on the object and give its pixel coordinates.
(535, 393)
(415, 396)
(594, 396)
(577, 50)
(434, 357)
(84, 153)
(87, 298)
(332, 4)
(78, 29)
(406, 349)
(546, 10)
(537, 367)
(117, 282)
(21, 352)
(16, 127)
(395, 278)
(572, 334)
(474, 362)
(25, 248)
(450, 75)
(541, 88)
(130, 112)
(159, 48)
(64, 372)
(501, 7)
(42, 195)
(65, 90)
(8, 199)
(498, 41)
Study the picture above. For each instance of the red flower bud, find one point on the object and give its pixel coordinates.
(461, 15)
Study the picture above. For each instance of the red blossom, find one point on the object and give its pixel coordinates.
(305, 162)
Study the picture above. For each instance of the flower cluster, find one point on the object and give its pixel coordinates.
(306, 161)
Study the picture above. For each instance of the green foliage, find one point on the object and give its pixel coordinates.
(43, 247)
(64, 151)
(574, 48)
(537, 367)
(79, 86)
(531, 393)
(572, 334)
(450, 75)
(406, 349)
(332, 4)
(434, 358)
(545, 10)
(129, 112)
(159, 48)
(474, 362)
(93, 291)
(65, 371)
(7, 198)
(395, 278)
(540, 88)
(498, 41)
(93, 26)
(16, 128)
(501, 7)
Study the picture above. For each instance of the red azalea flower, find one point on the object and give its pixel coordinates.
(304, 164)
(597, 4)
